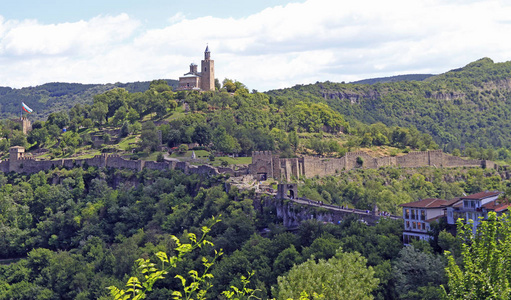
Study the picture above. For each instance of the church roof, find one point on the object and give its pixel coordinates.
(207, 48)
(189, 75)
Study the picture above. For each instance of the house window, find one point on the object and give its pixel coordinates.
(407, 213)
(414, 225)
(413, 214)
(419, 225)
(469, 204)
(423, 215)
(407, 225)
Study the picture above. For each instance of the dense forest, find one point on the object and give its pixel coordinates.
(79, 231)
(461, 109)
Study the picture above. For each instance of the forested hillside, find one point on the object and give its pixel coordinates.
(79, 231)
(57, 96)
(463, 108)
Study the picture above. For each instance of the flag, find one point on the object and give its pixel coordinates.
(26, 108)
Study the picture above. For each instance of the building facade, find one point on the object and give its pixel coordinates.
(417, 217)
(203, 80)
(474, 207)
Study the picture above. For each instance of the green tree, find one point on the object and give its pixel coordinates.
(418, 272)
(224, 142)
(99, 112)
(201, 134)
(18, 139)
(149, 136)
(486, 261)
(38, 136)
(344, 276)
(133, 115)
(61, 119)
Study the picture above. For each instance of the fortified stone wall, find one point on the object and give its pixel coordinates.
(118, 162)
(97, 161)
(413, 159)
(436, 158)
(320, 166)
(262, 163)
(454, 161)
(4, 166)
(29, 165)
(386, 161)
(289, 168)
(154, 165)
(367, 160)
(286, 168)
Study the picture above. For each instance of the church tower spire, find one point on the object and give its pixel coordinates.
(207, 80)
(207, 54)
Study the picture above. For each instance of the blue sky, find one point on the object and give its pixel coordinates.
(265, 44)
(152, 13)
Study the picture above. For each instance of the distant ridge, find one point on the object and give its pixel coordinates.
(409, 77)
(58, 96)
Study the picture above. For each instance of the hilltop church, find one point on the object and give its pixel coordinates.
(203, 80)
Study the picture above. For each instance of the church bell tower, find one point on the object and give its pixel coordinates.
(207, 81)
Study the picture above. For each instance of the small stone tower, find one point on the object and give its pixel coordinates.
(25, 123)
(207, 81)
(16, 153)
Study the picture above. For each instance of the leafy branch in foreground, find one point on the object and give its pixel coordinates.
(136, 289)
(197, 288)
(486, 271)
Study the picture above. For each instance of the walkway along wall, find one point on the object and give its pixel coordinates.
(266, 164)
(292, 212)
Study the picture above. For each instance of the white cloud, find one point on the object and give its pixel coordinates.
(280, 46)
(84, 37)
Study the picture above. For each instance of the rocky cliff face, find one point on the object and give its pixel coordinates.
(502, 84)
(353, 97)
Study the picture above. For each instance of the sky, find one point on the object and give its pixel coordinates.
(265, 44)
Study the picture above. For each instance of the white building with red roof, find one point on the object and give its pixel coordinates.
(474, 207)
(417, 217)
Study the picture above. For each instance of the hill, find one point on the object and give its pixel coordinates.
(408, 77)
(465, 107)
(58, 96)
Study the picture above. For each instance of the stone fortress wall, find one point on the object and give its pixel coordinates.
(266, 164)
(20, 163)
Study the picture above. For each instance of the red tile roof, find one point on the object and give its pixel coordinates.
(495, 206)
(482, 195)
(426, 203)
(453, 202)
